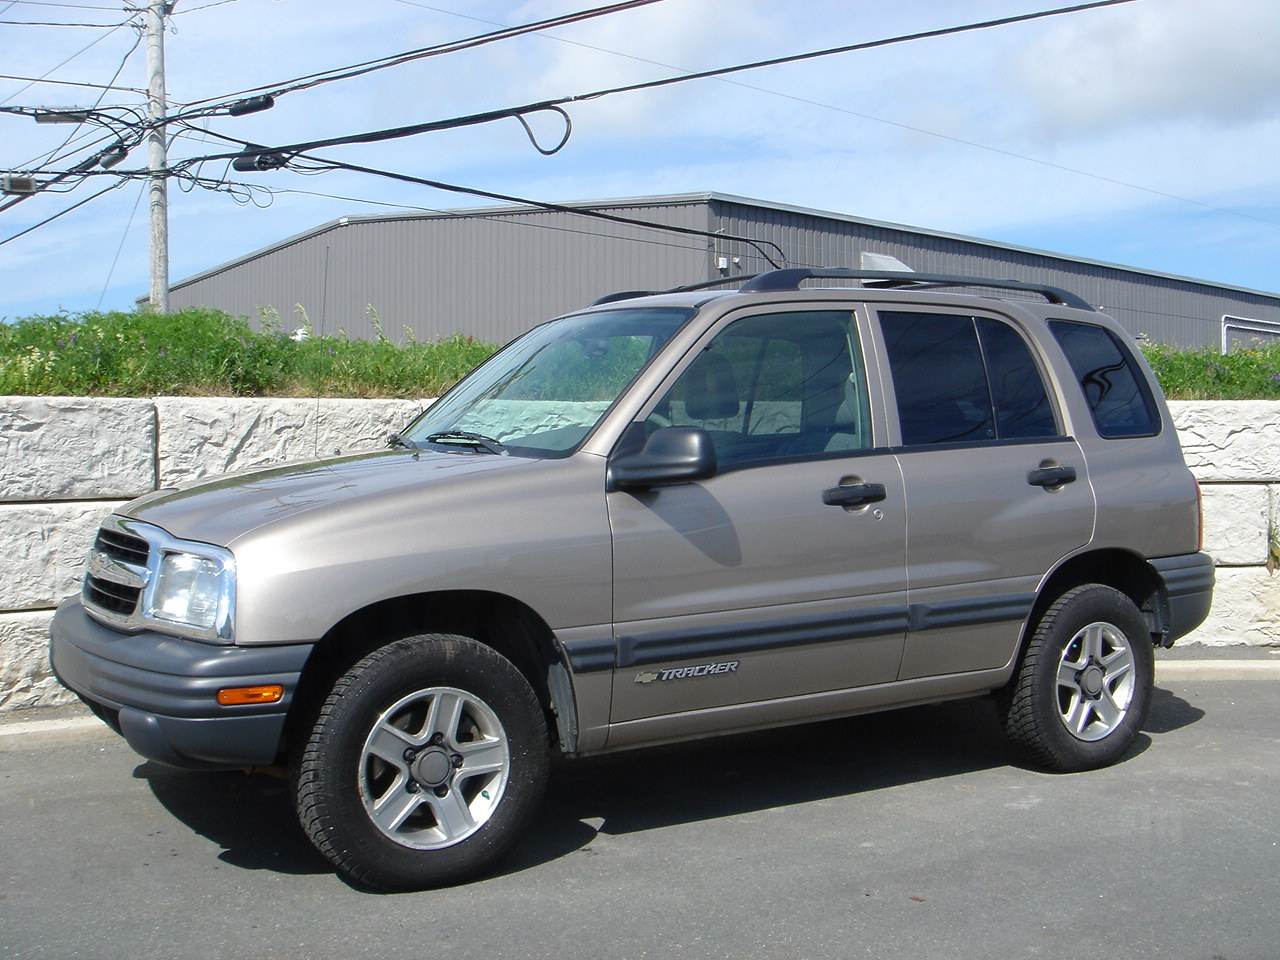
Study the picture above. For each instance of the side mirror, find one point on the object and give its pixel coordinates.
(669, 455)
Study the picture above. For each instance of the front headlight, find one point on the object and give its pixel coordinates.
(194, 591)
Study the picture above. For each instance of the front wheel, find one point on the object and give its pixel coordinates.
(1082, 691)
(425, 763)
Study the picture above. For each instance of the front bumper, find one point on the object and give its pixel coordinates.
(161, 691)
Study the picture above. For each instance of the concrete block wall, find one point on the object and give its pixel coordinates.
(65, 462)
(1233, 448)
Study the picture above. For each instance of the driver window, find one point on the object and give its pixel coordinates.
(775, 386)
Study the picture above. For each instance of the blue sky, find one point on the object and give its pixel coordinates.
(1144, 134)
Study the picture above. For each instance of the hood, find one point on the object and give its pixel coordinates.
(221, 510)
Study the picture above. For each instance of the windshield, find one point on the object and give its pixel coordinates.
(544, 392)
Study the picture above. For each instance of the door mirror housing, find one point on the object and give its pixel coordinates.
(669, 455)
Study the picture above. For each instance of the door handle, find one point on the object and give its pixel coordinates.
(1051, 476)
(854, 494)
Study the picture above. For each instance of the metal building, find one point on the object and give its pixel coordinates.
(491, 273)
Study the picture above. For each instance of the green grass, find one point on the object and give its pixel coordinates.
(207, 353)
(1210, 374)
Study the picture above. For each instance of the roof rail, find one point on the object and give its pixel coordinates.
(686, 288)
(791, 278)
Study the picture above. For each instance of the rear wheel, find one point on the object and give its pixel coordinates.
(1083, 689)
(425, 763)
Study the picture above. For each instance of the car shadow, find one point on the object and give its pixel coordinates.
(249, 815)
(251, 818)
(1169, 712)
(658, 787)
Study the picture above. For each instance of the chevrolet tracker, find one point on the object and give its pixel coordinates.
(663, 517)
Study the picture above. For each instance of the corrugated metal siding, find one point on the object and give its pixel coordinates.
(489, 276)
(493, 273)
(1165, 309)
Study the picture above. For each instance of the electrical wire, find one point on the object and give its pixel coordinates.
(60, 23)
(452, 46)
(65, 62)
(65, 83)
(216, 3)
(560, 102)
(757, 245)
(98, 103)
(61, 213)
(502, 217)
(325, 165)
(68, 6)
(123, 237)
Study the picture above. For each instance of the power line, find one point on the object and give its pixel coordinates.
(66, 61)
(59, 23)
(68, 6)
(61, 213)
(368, 66)
(326, 164)
(216, 3)
(65, 83)
(98, 103)
(759, 245)
(560, 102)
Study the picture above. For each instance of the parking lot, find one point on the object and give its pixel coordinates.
(906, 834)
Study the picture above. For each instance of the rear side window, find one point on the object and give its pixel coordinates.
(960, 379)
(1114, 387)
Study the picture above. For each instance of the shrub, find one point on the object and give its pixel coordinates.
(1210, 374)
(205, 352)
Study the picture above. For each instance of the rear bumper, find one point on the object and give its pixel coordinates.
(1188, 582)
(161, 691)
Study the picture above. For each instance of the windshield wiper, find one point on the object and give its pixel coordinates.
(395, 440)
(479, 439)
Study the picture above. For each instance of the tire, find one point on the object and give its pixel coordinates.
(424, 765)
(1082, 691)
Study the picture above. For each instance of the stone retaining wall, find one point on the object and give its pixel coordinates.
(65, 462)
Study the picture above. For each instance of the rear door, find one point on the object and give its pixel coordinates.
(997, 492)
(749, 587)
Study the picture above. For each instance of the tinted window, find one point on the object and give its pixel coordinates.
(775, 386)
(964, 378)
(1115, 389)
(939, 378)
(1017, 388)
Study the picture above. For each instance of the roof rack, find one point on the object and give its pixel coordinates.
(791, 278)
(686, 288)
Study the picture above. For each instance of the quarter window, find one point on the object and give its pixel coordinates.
(1116, 391)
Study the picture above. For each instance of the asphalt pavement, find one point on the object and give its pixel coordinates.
(908, 834)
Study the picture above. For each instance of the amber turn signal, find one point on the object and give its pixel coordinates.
(238, 696)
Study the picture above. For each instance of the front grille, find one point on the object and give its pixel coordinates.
(122, 547)
(117, 573)
(115, 597)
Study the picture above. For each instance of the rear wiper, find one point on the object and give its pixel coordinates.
(479, 439)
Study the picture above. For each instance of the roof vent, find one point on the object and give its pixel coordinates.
(881, 261)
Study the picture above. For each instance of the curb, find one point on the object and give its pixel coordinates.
(21, 728)
(1216, 669)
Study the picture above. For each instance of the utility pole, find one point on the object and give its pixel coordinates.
(158, 198)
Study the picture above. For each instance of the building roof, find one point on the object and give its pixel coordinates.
(709, 198)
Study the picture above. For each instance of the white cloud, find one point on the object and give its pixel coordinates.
(1211, 62)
